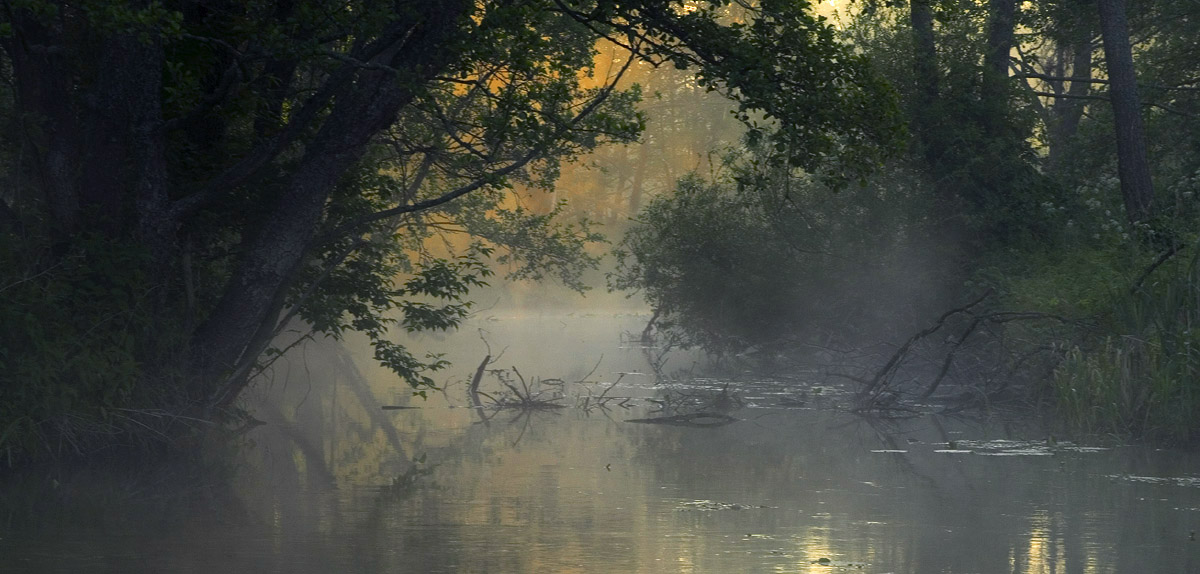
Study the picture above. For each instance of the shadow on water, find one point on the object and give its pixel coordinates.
(791, 483)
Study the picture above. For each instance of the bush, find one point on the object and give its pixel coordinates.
(1142, 376)
(76, 333)
(765, 255)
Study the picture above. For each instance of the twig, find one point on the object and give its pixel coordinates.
(597, 366)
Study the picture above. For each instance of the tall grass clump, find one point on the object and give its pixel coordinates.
(1141, 376)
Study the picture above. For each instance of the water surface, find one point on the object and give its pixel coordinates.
(334, 483)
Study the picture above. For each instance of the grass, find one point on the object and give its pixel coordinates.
(1140, 377)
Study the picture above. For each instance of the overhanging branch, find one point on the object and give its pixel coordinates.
(481, 182)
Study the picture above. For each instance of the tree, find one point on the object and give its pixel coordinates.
(765, 258)
(994, 87)
(267, 160)
(1136, 187)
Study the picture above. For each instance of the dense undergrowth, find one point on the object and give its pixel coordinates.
(1092, 320)
(1011, 194)
(91, 360)
(1138, 374)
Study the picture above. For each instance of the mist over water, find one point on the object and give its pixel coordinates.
(335, 483)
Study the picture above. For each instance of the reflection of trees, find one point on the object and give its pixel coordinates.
(325, 419)
(916, 511)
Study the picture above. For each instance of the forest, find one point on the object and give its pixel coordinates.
(1005, 193)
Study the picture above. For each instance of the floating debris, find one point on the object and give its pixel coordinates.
(1005, 447)
(839, 564)
(1042, 451)
(1186, 481)
(712, 506)
(1073, 448)
(704, 419)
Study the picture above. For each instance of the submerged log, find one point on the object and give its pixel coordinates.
(702, 419)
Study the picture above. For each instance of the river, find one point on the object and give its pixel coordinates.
(334, 483)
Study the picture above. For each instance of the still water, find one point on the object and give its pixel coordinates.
(334, 483)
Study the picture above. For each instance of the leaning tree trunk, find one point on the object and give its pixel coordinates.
(252, 301)
(1133, 165)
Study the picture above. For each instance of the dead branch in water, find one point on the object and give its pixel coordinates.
(878, 394)
(473, 388)
(871, 393)
(602, 401)
(528, 395)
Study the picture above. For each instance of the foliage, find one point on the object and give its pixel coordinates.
(77, 329)
(765, 254)
(1141, 377)
(980, 162)
(101, 327)
(340, 166)
(1016, 179)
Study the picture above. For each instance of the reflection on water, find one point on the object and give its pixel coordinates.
(334, 483)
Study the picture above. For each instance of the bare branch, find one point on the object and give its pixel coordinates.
(878, 383)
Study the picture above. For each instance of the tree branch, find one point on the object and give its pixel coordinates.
(878, 383)
(488, 179)
(1086, 80)
(1162, 107)
(266, 151)
(1158, 261)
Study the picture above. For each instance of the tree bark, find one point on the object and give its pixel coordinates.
(1133, 164)
(994, 86)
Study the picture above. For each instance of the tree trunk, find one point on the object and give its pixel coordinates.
(1133, 164)
(44, 95)
(925, 72)
(1067, 112)
(272, 256)
(994, 87)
